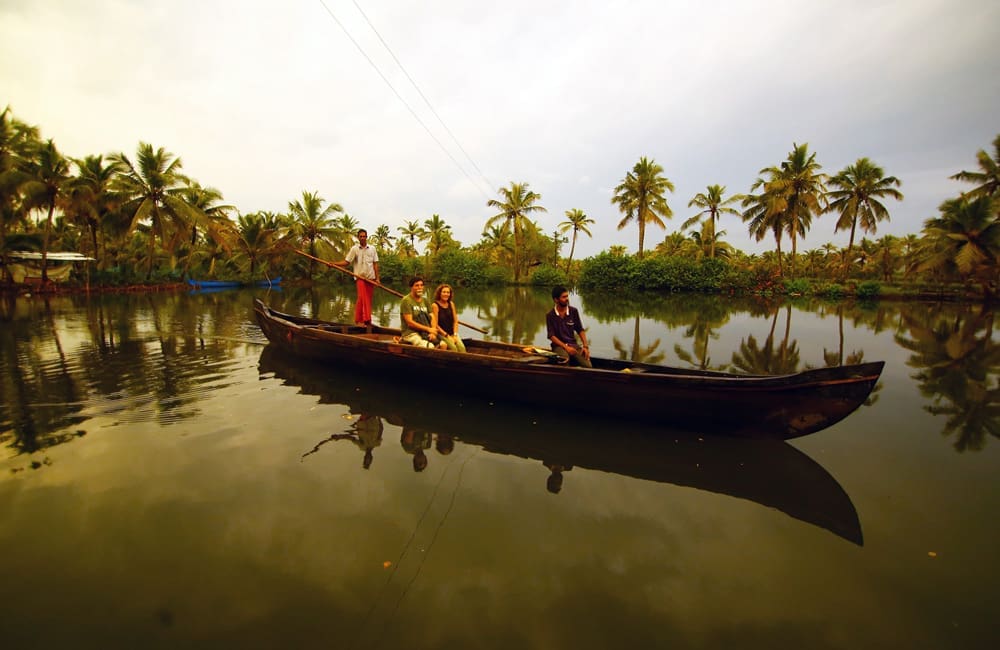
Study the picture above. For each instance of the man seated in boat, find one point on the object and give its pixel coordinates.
(564, 325)
(418, 326)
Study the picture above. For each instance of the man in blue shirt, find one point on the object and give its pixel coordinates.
(564, 325)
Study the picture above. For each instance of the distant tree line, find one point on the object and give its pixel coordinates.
(144, 220)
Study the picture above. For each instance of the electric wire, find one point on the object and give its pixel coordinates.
(388, 49)
(404, 102)
(423, 559)
(399, 560)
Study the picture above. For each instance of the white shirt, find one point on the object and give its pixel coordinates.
(364, 260)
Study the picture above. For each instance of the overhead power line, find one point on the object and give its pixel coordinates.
(404, 102)
(422, 96)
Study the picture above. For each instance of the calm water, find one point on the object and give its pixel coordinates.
(167, 481)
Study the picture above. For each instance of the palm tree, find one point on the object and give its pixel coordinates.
(153, 189)
(381, 239)
(48, 174)
(762, 217)
(517, 203)
(347, 228)
(577, 220)
(435, 233)
(92, 200)
(259, 239)
(988, 178)
(497, 243)
(411, 230)
(791, 194)
(219, 227)
(673, 245)
(887, 256)
(17, 141)
(206, 199)
(707, 242)
(640, 196)
(965, 238)
(313, 224)
(714, 205)
(857, 197)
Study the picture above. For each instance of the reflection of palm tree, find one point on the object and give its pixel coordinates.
(639, 354)
(766, 360)
(701, 330)
(957, 369)
(517, 314)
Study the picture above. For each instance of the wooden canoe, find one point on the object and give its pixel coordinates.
(781, 406)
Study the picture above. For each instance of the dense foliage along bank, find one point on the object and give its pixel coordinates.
(145, 221)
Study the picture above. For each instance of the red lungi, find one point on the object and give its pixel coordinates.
(363, 308)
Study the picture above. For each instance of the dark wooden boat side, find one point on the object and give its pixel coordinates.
(771, 473)
(783, 406)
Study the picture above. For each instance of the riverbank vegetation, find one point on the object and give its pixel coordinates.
(145, 222)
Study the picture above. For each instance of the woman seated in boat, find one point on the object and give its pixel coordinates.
(446, 316)
(418, 327)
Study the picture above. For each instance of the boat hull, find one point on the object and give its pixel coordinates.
(706, 402)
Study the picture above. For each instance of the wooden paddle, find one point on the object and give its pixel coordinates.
(380, 286)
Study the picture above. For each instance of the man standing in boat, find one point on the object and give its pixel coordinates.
(563, 324)
(365, 261)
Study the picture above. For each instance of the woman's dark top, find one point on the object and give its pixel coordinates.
(446, 318)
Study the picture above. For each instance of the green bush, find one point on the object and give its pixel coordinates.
(869, 289)
(398, 270)
(607, 271)
(832, 290)
(549, 276)
(465, 269)
(798, 286)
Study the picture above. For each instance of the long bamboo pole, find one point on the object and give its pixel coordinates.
(377, 284)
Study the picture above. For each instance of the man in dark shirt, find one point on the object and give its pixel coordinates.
(563, 324)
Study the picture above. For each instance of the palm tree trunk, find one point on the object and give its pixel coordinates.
(777, 240)
(850, 245)
(571, 249)
(711, 250)
(45, 243)
(517, 246)
(152, 253)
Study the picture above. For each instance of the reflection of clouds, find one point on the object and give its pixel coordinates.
(221, 506)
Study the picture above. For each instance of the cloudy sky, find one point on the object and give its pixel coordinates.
(263, 100)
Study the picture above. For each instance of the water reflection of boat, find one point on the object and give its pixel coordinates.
(780, 406)
(769, 472)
